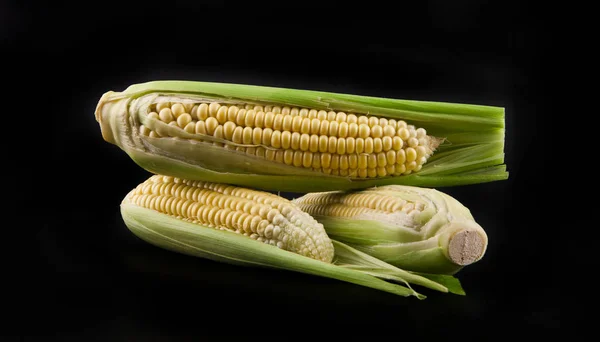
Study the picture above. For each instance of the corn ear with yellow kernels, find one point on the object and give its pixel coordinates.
(416, 229)
(301, 141)
(254, 228)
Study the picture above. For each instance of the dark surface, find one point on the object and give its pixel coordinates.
(92, 279)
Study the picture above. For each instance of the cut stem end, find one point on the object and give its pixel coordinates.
(465, 247)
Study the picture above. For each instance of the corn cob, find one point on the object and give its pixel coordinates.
(261, 216)
(254, 228)
(301, 141)
(417, 229)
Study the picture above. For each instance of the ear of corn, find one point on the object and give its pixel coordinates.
(253, 228)
(417, 229)
(299, 140)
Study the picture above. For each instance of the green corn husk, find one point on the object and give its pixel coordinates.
(348, 264)
(472, 152)
(421, 243)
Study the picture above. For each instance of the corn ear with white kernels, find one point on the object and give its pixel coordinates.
(301, 141)
(253, 228)
(416, 229)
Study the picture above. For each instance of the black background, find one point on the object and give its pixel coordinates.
(90, 278)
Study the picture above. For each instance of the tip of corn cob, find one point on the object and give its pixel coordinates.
(103, 117)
